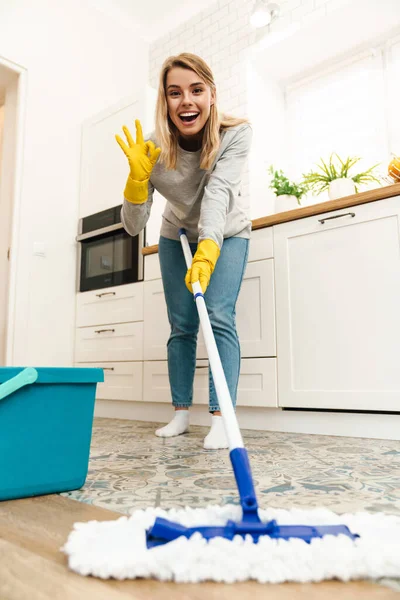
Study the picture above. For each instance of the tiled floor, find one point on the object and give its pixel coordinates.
(131, 468)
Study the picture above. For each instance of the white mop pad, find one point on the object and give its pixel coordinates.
(117, 549)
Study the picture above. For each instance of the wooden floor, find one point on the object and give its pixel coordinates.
(32, 566)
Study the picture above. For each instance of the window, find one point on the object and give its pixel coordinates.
(345, 109)
(393, 87)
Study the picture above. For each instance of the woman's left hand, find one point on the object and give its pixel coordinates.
(203, 265)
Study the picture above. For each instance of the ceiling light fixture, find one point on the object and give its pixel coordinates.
(263, 14)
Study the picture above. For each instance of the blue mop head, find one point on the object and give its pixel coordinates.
(164, 531)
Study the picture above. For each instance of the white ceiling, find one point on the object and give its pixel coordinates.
(152, 18)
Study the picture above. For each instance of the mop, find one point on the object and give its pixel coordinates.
(235, 543)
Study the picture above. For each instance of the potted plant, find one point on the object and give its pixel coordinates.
(287, 193)
(334, 176)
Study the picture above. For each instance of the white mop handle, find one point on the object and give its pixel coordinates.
(221, 387)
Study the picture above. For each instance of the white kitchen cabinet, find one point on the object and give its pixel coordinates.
(257, 382)
(115, 342)
(255, 315)
(255, 310)
(123, 381)
(118, 304)
(337, 278)
(156, 325)
(104, 167)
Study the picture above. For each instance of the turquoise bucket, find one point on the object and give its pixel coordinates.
(46, 418)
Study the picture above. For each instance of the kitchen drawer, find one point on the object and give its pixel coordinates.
(261, 244)
(257, 383)
(119, 304)
(122, 381)
(117, 342)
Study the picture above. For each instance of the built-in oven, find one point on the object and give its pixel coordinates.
(107, 254)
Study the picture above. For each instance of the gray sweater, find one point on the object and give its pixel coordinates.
(208, 204)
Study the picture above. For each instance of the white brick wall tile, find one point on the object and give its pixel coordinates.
(241, 44)
(231, 61)
(222, 54)
(212, 50)
(179, 31)
(244, 9)
(236, 25)
(200, 26)
(197, 38)
(193, 21)
(220, 14)
(208, 31)
(209, 11)
(175, 49)
(230, 40)
(219, 35)
(231, 18)
(186, 35)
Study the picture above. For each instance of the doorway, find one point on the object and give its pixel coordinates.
(12, 96)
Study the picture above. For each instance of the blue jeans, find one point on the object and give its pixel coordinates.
(221, 296)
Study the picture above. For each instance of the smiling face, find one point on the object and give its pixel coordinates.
(189, 100)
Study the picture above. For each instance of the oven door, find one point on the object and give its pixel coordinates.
(109, 259)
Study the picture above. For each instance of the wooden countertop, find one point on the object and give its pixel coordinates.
(315, 209)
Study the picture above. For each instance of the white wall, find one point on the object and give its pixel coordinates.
(4, 230)
(78, 62)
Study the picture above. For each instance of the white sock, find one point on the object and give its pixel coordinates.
(216, 438)
(178, 425)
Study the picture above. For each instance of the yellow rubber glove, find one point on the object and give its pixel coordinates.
(203, 264)
(142, 156)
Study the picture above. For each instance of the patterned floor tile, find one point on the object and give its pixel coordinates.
(131, 468)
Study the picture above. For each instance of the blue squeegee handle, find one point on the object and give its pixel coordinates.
(25, 377)
(238, 453)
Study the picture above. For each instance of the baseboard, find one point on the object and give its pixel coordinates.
(363, 425)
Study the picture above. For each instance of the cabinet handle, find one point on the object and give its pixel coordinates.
(322, 221)
(103, 330)
(108, 368)
(105, 294)
(202, 367)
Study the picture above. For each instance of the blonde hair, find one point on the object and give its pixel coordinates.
(166, 131)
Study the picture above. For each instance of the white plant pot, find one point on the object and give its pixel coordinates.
(285, 202)
(338, 188)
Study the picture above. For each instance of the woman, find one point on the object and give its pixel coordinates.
(194, 160)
